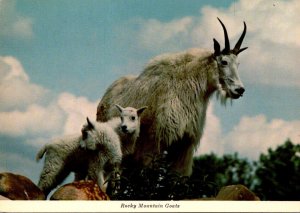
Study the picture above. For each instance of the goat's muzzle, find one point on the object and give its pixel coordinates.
(237, 93)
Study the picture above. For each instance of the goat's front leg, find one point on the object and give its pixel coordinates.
(114, 179)
(100, 180)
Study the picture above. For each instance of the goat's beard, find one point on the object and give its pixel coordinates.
(222, 94)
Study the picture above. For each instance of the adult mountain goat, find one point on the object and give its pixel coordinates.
(176, 88)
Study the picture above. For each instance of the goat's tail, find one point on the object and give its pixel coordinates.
(41, 153)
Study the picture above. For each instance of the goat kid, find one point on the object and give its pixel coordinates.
(93, 154)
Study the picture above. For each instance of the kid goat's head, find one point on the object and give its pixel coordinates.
(130, 118)
(230, 84)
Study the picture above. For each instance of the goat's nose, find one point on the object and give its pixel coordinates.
(124, 128)
(240, 90)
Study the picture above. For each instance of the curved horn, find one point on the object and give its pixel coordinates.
(236, 50)
(227, 44)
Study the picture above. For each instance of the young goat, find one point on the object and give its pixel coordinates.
(91, 155)
(127, 126)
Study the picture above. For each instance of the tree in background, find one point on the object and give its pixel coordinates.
(216, 172)
(277, 174)
(274, 176)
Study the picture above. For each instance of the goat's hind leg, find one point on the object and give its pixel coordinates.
(51, 177)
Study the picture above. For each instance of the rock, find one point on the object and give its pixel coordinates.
(236, 192)
(18, 187)
(80, 190)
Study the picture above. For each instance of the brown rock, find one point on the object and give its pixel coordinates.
(18, 187)
(80, 190)
(236, 192)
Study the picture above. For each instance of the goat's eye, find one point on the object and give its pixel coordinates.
(224, 63)
(132, 118)
(230, 80)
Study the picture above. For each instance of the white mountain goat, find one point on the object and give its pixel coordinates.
(176, 88)
(93, 154)
(127, 126)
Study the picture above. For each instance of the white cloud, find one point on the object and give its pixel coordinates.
(21, 113)
(66, 115)
(12, 24)
(11, 68)
(272, 37)
(35, 120)
(250, 137)
(16, 90)
(153, 33)
(211, 140)
(275, 21)
(254, 135)
(76, 109)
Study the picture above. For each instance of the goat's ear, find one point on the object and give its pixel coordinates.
(84, 134)
(217, 48)
(119, 107)
(90, 125)
(140, 110)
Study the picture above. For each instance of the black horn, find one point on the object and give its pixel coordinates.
(90, 125)
(236, 50)
(226, 50)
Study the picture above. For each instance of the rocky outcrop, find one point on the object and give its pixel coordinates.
(79, 190)
(236, 192)
(18, 187)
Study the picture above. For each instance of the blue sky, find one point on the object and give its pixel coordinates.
(58, 57)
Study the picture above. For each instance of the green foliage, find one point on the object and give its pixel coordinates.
(275, 176)
(222, 171)
(278, 173)
(154, 182)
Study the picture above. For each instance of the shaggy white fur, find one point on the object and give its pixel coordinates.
(176, 88)
(93, 154)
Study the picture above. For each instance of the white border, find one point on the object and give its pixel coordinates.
(178, 206)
